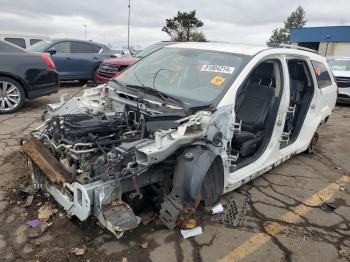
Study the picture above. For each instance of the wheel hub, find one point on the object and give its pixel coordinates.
(9, 96)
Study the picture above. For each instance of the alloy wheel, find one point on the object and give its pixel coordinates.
(10, 96)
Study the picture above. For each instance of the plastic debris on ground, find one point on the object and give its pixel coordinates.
(190, 223)
(28, 201)
(78, 251)
(29, 189)
(217, 209)
(39, 230)
(144, 244)
(148, 217)
(33, 223)
(45, 212)
(235, 206)
(192, 232)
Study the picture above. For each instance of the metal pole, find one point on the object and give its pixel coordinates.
(129, 26)
(85, 30)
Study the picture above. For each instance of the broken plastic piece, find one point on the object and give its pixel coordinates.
(34, 223)
(217, 209)
(78, 251)
(39, 230)
(192, 232)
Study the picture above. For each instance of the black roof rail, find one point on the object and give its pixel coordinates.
(276, 45)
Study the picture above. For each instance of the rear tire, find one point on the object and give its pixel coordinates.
(12, 95)
(94, 77)
(83, 81)
(313, 142)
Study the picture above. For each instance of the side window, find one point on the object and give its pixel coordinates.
(62, 47)
(16, 41)
(83, 48)
(95, 48)
(322, 75)
(34, 41)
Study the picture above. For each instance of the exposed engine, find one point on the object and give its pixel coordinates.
(88, 145)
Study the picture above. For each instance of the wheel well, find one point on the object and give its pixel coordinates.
(18, 79)
(213, 184)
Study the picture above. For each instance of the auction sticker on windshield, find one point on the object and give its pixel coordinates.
(218, 69)
(217, 80)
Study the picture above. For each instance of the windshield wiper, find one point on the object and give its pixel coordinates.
(163, 96)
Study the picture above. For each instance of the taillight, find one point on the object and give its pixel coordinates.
(48, 61)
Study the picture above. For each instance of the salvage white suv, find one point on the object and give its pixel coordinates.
(183, 125)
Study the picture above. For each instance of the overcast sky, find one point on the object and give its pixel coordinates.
(249, 21)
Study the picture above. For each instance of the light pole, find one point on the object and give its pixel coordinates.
(129, 26)
(85, 30)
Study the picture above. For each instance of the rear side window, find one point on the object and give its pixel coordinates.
(62, 47)
(322, 75)
(34, 41)
(78, 47)
(16, 41)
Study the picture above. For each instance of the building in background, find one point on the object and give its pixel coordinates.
(328, 40)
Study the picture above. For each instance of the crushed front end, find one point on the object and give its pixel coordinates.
(107, 155)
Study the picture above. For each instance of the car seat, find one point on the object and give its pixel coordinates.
(252, 108)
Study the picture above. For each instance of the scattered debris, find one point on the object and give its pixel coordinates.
(328, 207)
(235, 207)
(190, 224)
(192, 232)
(339, 168)
(124, 259)
(148, 217)
(45, 212)
(78, 251)
(34, 223)
(28, 201)
(39, 230)
(342, 188)
(118, 202)
(29, 189)
(344, 252)
(144, 244)
(217, 209)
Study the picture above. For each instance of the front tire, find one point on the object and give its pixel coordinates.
(94, 77)
(12, 95)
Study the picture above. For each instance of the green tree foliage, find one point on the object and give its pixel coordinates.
(295, 20)
(183, 27)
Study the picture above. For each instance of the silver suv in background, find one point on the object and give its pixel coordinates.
(21, 40)
(341, 70)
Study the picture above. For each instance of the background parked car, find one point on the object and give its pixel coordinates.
(24, 41)
(112, 67)
(75, 59)
(121, 52)
(24, 75)
(341, 70)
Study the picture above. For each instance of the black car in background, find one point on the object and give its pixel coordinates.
(24, 75)
(74, 59)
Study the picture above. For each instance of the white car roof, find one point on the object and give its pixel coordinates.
(246, 49)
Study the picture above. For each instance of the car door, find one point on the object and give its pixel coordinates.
(326, 85)
(62, 58)
(86, 59)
